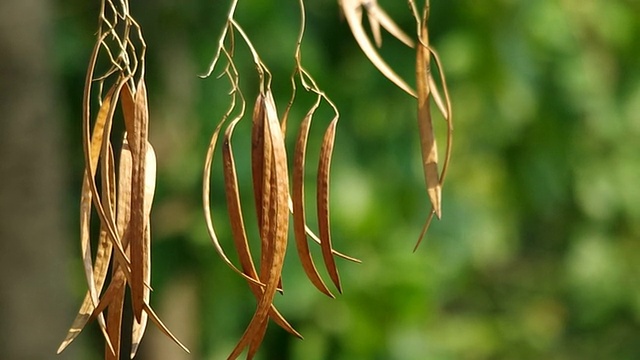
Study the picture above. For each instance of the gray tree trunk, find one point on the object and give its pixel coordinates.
(35, 301)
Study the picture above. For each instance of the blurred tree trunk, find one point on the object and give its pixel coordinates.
(34, 254)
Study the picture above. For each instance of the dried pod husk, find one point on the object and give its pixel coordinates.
(428, 144)
(278, 213)
(324, 167)
(297, 197)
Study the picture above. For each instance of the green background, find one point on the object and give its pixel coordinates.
(537, 252)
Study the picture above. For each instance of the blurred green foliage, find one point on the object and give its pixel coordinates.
(537, 253)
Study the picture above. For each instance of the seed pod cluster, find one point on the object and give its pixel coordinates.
(278, 192)
(275, 203)
(121, 197)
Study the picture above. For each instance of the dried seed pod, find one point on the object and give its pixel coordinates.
(297, 197)
(425, 126)
(277, 234)
(428, 89)
(324, 165)
(238, 228)
(137, 136)
(352, 10)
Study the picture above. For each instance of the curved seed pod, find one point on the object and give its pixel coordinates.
(437, 98)
(257, 340)
(95, 146)
(352, 10)
(374, 22)
(425, 126)
(142, 174)
(95, 274)
(233, 205)
(233, 199)
(139, 327)
(378, 17)
(269, 224)
(267, 256)
(112, 348)
(123, 213)
(123, 210)
(206, 179)
(238, 228)
(98, 271)
(116, 286)
(114, 314)
(103, 122)
(279, 211)
(112, 295)
(137, 134)
(260, 162)
(90, 149)
(297, 198)
(263, 176)
(446, 110)
(427, 88)
(324, 164)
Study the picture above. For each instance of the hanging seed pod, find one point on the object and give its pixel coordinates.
(299, 220)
